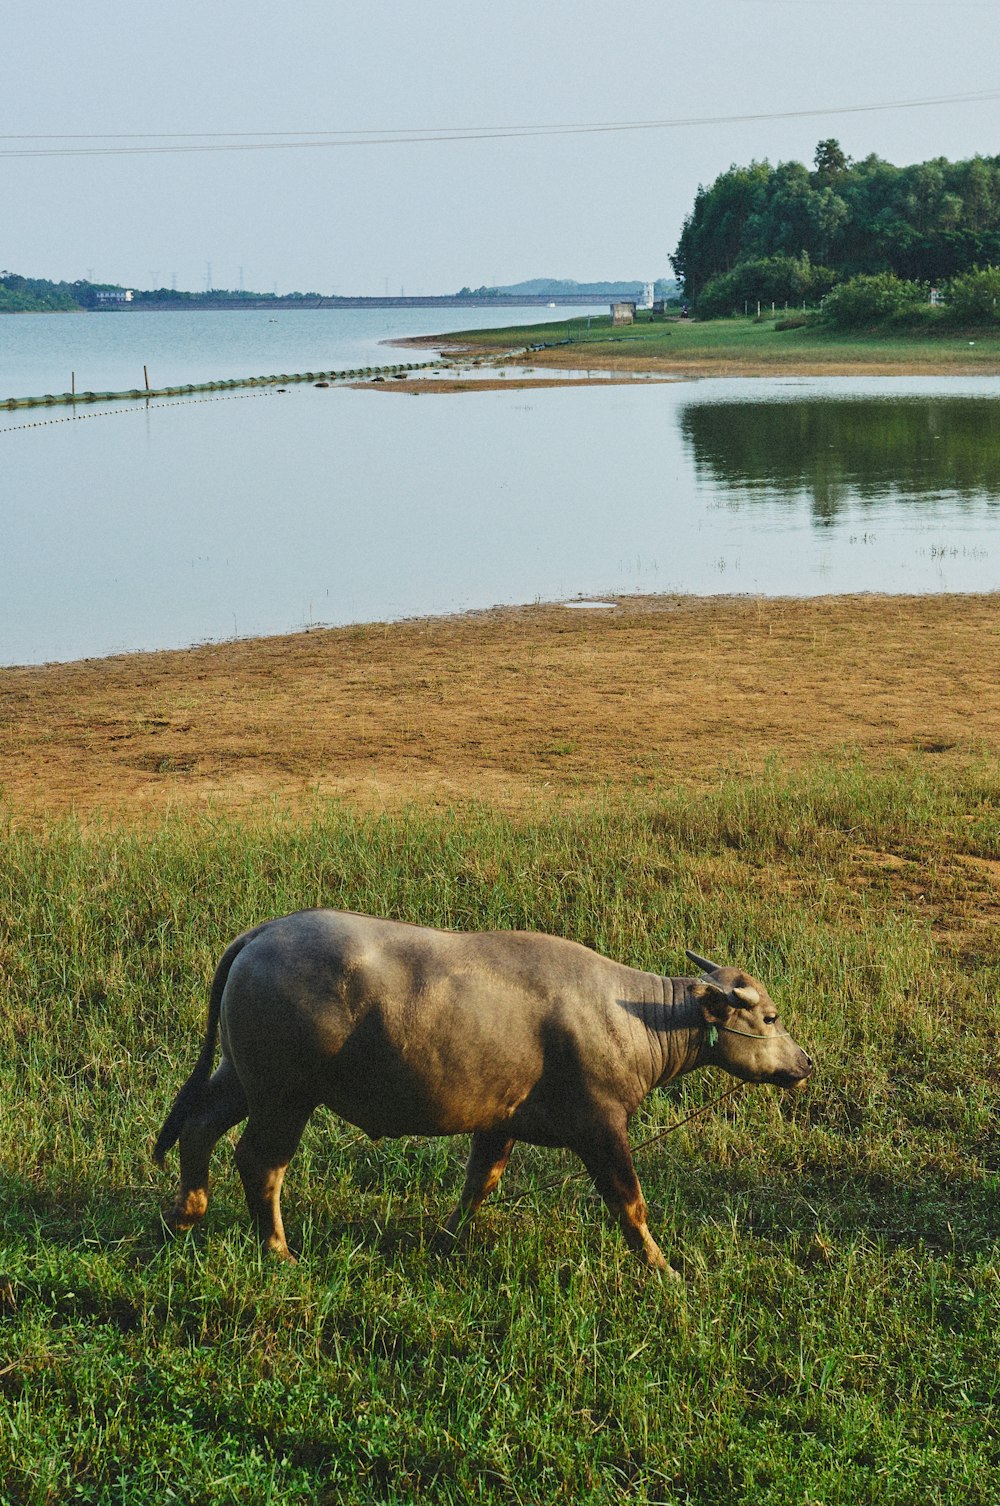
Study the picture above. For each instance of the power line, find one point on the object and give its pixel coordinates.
(142, 143)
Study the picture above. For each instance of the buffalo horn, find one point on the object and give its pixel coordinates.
(702, 962)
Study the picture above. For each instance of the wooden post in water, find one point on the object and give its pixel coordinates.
(72, 384)
(145, 372)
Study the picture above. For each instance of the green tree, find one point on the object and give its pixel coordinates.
(715, 233)
(830, 161)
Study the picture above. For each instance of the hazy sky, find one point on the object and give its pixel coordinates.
(431, 216)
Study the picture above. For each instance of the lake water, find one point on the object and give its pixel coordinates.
(152, 525)
(40, 353)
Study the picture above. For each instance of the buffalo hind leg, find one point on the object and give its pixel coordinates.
(223, 1104)
(489, 1155)
(608, 1158)
(262, 1156)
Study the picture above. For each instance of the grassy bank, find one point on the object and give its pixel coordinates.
(737, 346)
(834, 1339)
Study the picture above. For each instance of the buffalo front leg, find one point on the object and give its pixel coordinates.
(608, 1158)
(223, 1104)
(489, 1155)
(262, 1156)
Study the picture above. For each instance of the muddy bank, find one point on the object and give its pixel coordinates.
(508, 706)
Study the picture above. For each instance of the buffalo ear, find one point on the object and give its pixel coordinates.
(746, 996)
(714, 1001)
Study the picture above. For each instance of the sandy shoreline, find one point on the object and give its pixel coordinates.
(511, 706)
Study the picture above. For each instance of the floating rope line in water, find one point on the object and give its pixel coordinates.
(184, 402)
(137, 395)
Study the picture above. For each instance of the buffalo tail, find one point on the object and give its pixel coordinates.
(189, 1098)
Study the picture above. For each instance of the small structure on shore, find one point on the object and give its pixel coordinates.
(622, 313)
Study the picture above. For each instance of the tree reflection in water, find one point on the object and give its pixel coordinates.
(837, 451)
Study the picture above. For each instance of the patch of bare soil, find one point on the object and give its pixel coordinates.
(513, 704)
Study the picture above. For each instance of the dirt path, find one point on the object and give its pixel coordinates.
(541, 702)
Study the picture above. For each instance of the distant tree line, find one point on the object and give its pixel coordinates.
(35, 295)
(38, 295)
(790, 235)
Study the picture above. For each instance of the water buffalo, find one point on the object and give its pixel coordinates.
(404, 1030)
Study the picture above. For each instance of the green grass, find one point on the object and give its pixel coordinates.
(746, 340)
(835, 1336)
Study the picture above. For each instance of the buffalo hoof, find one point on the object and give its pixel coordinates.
(171, 1228)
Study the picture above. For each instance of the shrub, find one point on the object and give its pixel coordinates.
(973, 297)
(781, 280)
(882, 298)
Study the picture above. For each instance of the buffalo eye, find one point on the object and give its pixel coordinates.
(770, 1019)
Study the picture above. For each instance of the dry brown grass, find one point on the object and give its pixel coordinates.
(537, 702)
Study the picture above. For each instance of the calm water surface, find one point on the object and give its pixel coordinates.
(40, 352)
(143, 527)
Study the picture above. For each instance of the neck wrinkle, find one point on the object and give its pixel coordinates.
(680, 1045)
(671, 1024)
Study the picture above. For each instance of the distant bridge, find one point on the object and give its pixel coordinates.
(452, 301)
